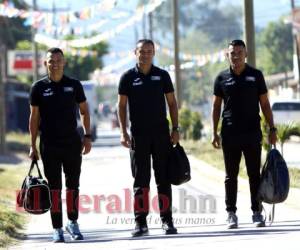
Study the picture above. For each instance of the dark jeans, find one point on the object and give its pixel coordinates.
(232, 157)
(68, 158)
(143, 147)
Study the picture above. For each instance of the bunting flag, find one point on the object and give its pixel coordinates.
(106, 35)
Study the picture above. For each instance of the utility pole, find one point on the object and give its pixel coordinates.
(176, 53)
(3, 27)
(2, 99)
(150, 19)
(296, 47)
(144, 24)
(249, 31)
(35, 66)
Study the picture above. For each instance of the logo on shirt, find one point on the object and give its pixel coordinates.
(230, 82)
(48, 92)
(137, 82)
(155, 78)
(250, 78)
(68, 89)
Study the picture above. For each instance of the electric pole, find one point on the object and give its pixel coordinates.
(296, 47)
(35, 66)
(2, 99)
(150, 18)
(3, 28)
(249, 31)
(176, 53)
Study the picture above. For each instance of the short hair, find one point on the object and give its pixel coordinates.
(237, 42)
(55, 50)
(144, 41)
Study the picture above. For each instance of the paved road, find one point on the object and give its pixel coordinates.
(199, 215)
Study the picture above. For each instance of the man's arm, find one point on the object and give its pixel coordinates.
(85, 120)
(216, 112)
(267, 112)
(34, 121)
(172, 103)
(122, 114)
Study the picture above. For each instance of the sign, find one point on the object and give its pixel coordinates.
(20, 62)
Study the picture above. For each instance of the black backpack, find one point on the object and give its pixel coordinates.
(275, 181)
(178, 166)
(34, 195)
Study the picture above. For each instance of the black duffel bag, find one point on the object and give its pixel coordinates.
(179, 170)
(34, 195)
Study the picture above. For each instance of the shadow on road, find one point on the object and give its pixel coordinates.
(109, 235)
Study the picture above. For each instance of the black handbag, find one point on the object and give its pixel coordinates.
(34, 195)
(178, 166)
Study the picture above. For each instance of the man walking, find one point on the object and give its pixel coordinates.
(53, 103)
(242, 88)
(145, 88)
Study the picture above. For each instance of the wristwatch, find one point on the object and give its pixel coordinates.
(89, 136)
(176, 128)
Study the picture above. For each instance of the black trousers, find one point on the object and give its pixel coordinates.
(55, 159)
(143, 147)
(232, 157)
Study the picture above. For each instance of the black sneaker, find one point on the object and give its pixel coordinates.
(258, 219)
(169, 228)
(140, 230)
(232, 220)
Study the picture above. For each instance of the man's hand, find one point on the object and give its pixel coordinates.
(272, 137)
(125, 140)
(33, 153)
(86, 145)
(216, 142)
(175, 137)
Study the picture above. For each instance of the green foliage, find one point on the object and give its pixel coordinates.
(209, 16)
(81, 66)
(276, 50)
(196, 126)
(27, 45)
(185, 120)
(285, 131)
(190, 123)
(13, 29)
(265, 132)
(205, 27)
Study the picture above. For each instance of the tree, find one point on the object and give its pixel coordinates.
(80, 66)
(285, 131)
(277, 48)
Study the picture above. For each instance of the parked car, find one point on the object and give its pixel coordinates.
(285, 112)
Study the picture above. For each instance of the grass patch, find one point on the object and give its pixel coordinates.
(204, 151)
(11, 221)
(18, 142)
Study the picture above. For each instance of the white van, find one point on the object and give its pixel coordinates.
(285, 112)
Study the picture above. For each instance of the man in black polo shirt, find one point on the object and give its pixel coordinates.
(242, 89)
(53, 103)
(145, 88)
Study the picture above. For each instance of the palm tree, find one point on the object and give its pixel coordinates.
(285, 131)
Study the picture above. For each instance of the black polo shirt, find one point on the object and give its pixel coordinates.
(58, 103)
(241, 102)
(146, 99)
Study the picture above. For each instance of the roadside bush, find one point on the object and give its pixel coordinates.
(190, 123)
